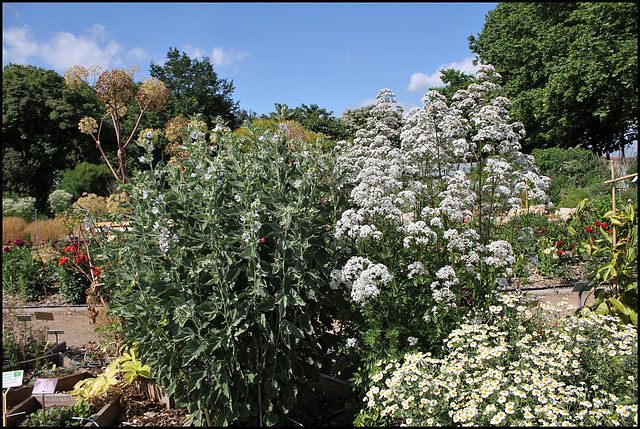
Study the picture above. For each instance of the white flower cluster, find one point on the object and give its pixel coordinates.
(416, 269)
(363, 278)
(353, 224)
(404, 174)
(501, 254)
(417, 233)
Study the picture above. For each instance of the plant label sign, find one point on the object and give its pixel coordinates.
(44, 386)
(12, 378)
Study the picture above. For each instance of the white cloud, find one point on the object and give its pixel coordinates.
(64, 50)
(221, 57)
(193, 52)
(17, 46)
(422, 81)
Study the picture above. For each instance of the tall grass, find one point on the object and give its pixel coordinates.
(14, 228)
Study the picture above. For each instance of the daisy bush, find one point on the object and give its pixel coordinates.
(417, 244)
(506, 367)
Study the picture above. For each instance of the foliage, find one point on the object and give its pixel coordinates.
(86, 178)
(223, 285)
(454, 80)
(90, 389)
(60, 201)
(570, 169)
(194, 87)
(502, 367)
(39, 130)
(60, 416)
(571, 70)
(418, 243)
(294, 131)
(22, 208)
(22, 274)
(127, 366)
(20, 342)
(72, 282)
(318, 121)
(619, 272)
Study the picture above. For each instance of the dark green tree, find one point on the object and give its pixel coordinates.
(454, 80)
(87, 177)
(40, 135)
(570, 69)
(194, 87)
(318, 120)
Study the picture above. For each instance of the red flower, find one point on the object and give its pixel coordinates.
(597, 223)
(610, 231)
(62, 261)
(41, 268)
(559, 251)
(559, 243)
(68, 249)
(603, 225)
(589, 229)
(263, 239)
(573, 245)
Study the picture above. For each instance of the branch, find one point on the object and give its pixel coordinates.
(102, 151)
(142, 110)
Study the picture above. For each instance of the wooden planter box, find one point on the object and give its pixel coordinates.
(328, 384)
(104, 418)
(155, 392)
(51, 356)
(21, 400)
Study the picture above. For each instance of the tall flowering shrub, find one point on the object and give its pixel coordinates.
(221, 279)
(417, 242)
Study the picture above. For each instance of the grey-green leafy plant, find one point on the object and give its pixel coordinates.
(60, 200)
(223, 284)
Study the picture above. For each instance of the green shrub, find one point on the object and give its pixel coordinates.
(21, 207)
(87, 178)
(224, 282)
(21, 273)
(570, 170)
(60, 201)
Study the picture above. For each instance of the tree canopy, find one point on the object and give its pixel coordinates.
(570, 69)
(317, 120)
(40, 135)
(195, 87)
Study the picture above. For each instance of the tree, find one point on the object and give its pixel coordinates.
(455, 79)
(570, 69)
(40, 137)
(318, 120)
(87, 177)
(194, 87)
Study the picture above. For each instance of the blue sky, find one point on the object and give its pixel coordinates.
(335, 55)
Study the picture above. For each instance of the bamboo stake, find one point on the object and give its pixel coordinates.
(613, 195)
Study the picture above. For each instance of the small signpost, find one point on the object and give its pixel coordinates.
(56, 332)
(581, 287)
(44, 386)
(24, 318)
(9, 379)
